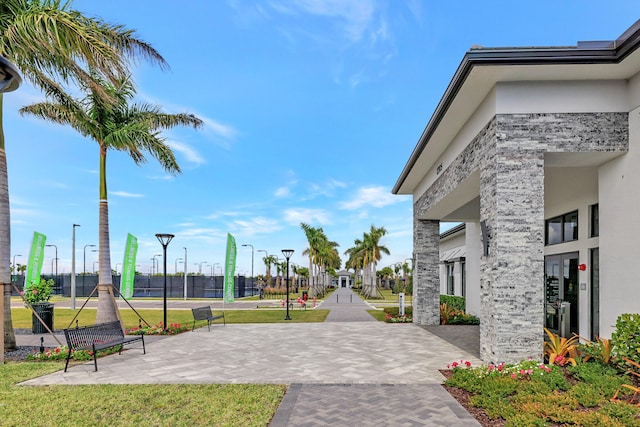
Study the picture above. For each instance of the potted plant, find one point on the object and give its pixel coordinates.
(37, 295)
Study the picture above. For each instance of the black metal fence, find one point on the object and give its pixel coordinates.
(151, 286)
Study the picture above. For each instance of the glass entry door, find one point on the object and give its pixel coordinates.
(561, 286)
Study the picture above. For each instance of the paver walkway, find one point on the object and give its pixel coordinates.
(350, 372)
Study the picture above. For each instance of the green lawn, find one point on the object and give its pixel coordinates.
(62, 317)
(132, 405)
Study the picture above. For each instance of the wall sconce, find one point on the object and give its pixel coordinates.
(486, 237)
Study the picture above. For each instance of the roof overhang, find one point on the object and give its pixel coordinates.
(482, 68)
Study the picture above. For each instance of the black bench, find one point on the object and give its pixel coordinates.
(98, 337)
(204, 313)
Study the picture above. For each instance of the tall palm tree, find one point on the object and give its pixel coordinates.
(50, 43)
(268, 260)
(313, 238)
(132, 128)
(366, 253)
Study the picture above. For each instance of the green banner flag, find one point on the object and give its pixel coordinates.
(129, 267)
(230, 269)
(34, 268)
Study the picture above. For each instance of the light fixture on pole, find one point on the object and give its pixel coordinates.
(175, 270)
(84, 259)
(84, 262)
(185, 273)
(248, 244)
(287, 254)
(164, 240)
(56, 258)
(154, 264)
(73, 267)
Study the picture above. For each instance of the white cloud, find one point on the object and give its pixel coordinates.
(357, 16)
(282, 192)
(125, 194)
(191, 155)
(254, 226)
(371, 196)
(314, 216)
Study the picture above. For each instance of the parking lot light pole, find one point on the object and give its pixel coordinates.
(252, 286)
(287, 254)
(164, 239)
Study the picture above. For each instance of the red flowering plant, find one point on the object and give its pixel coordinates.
(38, 292)
(523, 370)
(158, 329)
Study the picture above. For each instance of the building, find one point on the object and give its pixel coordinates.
(537, 151)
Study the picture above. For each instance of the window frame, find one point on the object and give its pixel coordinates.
(563, 221)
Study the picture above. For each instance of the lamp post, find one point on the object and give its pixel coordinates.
(73, 267)
(185, 273)
(93, 270)
(287, 254)
(154, 264)
(248, 244)
(56, 258)
(164, 240)
(84, 259)
(84, 262)
(267, 254)
(175, 270)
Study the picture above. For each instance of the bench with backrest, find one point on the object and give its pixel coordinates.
(98, 337)
(204, 313)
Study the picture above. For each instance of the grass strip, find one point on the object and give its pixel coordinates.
(21, 317)
(131, 405)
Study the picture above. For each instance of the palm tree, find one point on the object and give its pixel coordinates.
(365, 254)
(134, 129)
(313, 237)
(49, 43)
(268, 260)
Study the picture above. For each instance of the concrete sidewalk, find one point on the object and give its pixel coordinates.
(361, 373)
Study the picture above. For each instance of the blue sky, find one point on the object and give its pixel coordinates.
(311, 110)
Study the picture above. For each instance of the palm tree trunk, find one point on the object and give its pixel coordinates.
(9, 338)
(107, 307)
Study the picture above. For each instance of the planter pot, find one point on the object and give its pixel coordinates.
(45, 311)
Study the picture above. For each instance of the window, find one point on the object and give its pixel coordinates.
(563, 228)
(450, 279)
(594, 229)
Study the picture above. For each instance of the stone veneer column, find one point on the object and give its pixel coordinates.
(426, 276)
(512, 275)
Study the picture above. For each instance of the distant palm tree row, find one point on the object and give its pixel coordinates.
(57, 48)
(363, 257)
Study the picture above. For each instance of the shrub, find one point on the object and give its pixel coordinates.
(626, 338)
(560, 350)
(525, 420)
(587, 395)
(453, 301)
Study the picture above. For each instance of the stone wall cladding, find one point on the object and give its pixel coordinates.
(509, 152)
(426, 279)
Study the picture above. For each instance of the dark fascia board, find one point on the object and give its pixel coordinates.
(453, 230)
(610, 52)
